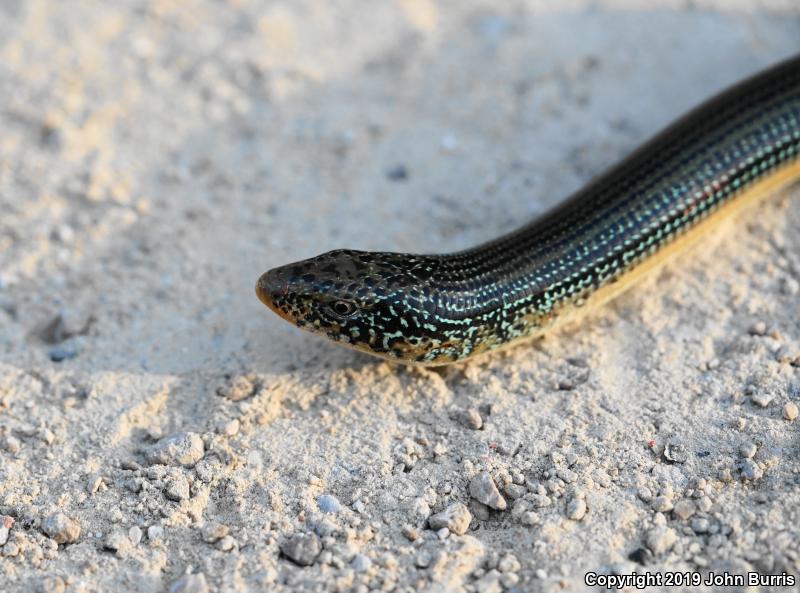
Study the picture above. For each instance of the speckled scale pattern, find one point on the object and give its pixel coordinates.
(435, 309)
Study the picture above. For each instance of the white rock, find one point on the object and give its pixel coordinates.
(661, 539)
(483, 489)
(456, 518)
(576, 509)
(62, 529)
(185, 448)
(190, 583)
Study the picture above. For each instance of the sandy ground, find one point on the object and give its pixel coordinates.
(160, 430)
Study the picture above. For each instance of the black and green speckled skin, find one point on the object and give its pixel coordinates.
(436, 309)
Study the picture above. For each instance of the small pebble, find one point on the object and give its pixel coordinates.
(226, 544)
(576, 509)
(747, 450)
(660, 539)
(683, 509)
(761, 399)
(213, 532)
(509, 563)
(790, 411)
(177, 489)
(118, 542)
(12, 444)
(470, 418)
(541, 501)
(329, 504)
(361, 563)
(60, 353)
(515, 491)
(230, 428)
(488, 583)
(53, 585)
(155, 532)
(456, 518)
(190, 583)
(661, 504)
(135, 535)
(94, 483)
(509, 580)
(567, 475)
(700, 525)
(759, 328)
(750, 470)
(66, 324)
(239, 388)
(483, 489)
(790, 286)
(301, 548)
(62, 529)
(423, 559)
(185, 448)
(676, 452)
(704, 504)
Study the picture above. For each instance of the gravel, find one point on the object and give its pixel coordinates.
(684, 509)
(117, 541)
(155, 532)
(661, 504)
(470, 418)
(190, 583)
(301, 548)
(135, 534)
(456, 518)
(751, 471)
(661, 539)
(483, 489)
(361, 563)
(177, 489)
(747, 450)
(576, 509)
(184, 449)
(213, 532)
(62, 529)
(762, 399)
(700, 525)
(329, 504)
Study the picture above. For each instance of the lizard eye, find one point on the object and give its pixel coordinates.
(342, 309)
